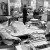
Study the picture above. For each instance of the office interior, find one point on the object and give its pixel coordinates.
(24, 24)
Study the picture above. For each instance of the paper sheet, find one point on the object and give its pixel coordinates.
(40, 43)
(21, 29)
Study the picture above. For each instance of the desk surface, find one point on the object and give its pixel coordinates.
(22, 30)
(27, 31)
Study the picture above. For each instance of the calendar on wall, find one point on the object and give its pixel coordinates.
(33, 4)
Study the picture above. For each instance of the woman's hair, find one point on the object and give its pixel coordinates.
(24, 5)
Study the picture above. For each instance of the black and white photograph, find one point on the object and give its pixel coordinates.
(24, 24)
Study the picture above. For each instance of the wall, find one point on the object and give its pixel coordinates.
(39, 3)
(27, 2)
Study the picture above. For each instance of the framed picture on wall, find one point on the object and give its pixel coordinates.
(13, 4)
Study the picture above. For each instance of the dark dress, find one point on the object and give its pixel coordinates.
(24, 15)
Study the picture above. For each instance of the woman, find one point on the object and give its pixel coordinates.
(24, 14)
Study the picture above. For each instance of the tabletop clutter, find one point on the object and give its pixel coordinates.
(16, 28)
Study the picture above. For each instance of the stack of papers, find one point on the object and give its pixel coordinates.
(40, 43)
(20, 28)
(40, 31)
(34, 19)
(34, 27)
(43, 22)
